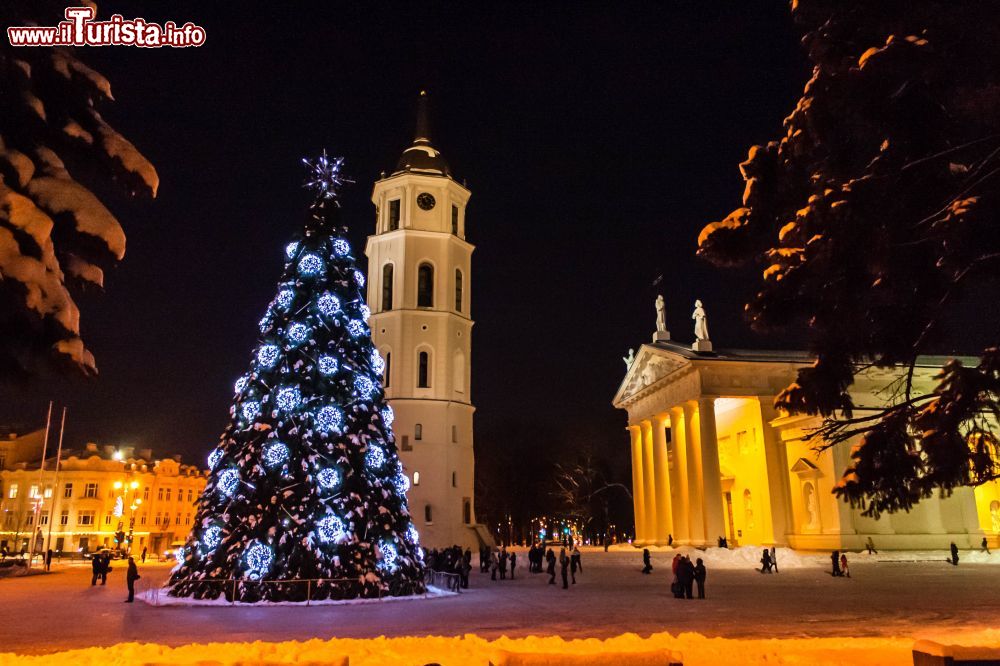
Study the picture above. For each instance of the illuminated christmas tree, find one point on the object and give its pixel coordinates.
(306, 483)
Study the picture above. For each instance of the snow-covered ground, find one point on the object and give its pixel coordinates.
(885, 603)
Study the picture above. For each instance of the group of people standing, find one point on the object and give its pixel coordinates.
(686, 576)
(100, 567)
(451, 560)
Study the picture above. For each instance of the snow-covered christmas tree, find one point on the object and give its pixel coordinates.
(306, 484)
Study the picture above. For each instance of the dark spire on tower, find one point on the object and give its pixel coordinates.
(422, 157)
(423, 130)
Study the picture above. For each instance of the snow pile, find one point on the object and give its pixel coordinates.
(471, 650)
(964, 556)
(744, 557)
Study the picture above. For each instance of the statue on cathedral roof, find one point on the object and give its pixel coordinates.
(700, 321)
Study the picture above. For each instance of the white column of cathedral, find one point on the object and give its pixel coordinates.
(638, 492)
(661, 476)
(678, 432)
(419, 277)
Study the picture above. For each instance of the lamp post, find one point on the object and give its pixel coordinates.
(126, 487)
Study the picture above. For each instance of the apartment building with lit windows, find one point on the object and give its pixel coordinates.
(100, 497)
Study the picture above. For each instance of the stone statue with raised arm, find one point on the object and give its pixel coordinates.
(701, 342)
(661, 315)
(630, 359)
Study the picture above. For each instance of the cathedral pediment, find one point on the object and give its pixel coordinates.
(650, 366)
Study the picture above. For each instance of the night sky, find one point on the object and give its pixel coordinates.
(596, 140)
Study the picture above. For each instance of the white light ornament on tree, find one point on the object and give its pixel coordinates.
(324, 176)
(211, 537)
(375, 458)
(388, 416)
(329, 418)
(214, 457)
(241, 384)
(250, 410)
(275, 454)
(328, 305)
(331, 529)
(390, 556)
(227, 482)
(311, 265)
(288, 398)
(412, 535)
(356, 328)
(257, 560)
(378, 363)
(359, 278)
(328, 478)
(327, 365)
(297, 333)
(267, 355)
(341, 248)
(291, 250)
(285, 298)
(364, 387)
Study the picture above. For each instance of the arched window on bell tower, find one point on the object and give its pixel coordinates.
(423, 370)
(458, 290)
(387, 274)
(425, 286)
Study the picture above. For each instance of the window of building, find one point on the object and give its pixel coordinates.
(64, 517)
(43, 519)
(47, 493)
(33, 491)
(406, 443)
(458, 290)
(142, 519)
(388, 369)
(187, 519)
(454, 433)
(85, 517)
(454, 219)
(467, 510)
(166, 519)
(458, 368)
(159, 494)
(178, 521)
(68, 490)
(428, 516)
(423, 370)
(29, 519)
(425, 286)
(90, 490)
(418, 432)
(454, 479)
(387, 285)
(393, 215)
(107, 519)
(416, 478)
(12, 492)
(158, 519)
(168, 494)
(145, 494)
(190, 494)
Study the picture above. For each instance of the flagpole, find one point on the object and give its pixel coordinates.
(41, 492)
(55, 482)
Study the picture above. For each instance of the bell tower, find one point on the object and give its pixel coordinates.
(419, 279)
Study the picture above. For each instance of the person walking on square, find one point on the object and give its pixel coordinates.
(685, 575)
(578, 559)
(513, 564)
(105, 568)
(574, 563)
(954, 554)
(774, 558)
(564, 567)
(48, 559)
(550, 557)
(986, 546)
(143, 555)
(765, 562)
(835, 560)
(844, 571)
(95, 569)
(130, 577)
(494, 564)
(647, 566)
(503, 563)
(699, 578)
(870, 545)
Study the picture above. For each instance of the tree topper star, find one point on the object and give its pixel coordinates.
(324, 175)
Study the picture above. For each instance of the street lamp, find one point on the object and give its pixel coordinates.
(125, 489)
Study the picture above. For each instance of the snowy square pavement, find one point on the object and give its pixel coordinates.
(883, 598)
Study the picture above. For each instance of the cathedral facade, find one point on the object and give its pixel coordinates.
(711, 458)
